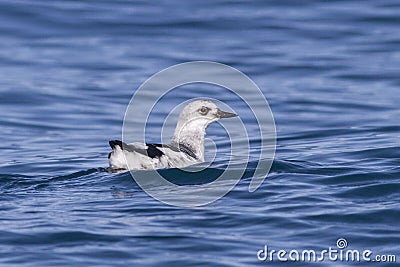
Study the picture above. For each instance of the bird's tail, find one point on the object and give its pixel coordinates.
(116, 158)
(114, 143)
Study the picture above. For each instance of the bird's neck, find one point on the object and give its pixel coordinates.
(190, 136)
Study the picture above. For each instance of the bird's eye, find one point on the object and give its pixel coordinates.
(204, 110)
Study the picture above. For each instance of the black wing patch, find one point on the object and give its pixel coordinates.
(152, 151)
(187, 150)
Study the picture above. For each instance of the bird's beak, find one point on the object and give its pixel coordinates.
(223, 114)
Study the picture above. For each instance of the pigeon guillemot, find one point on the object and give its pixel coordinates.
(186, 147)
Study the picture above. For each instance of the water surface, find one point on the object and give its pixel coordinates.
(328, 69)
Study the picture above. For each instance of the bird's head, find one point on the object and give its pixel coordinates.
(202, 113)
(192, 124)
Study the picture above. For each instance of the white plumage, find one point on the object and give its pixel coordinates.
(186, 147)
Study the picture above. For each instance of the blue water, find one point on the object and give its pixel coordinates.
(329, 69)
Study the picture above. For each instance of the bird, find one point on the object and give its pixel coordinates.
(186, 147)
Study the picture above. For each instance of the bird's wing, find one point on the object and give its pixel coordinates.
(149, 150)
